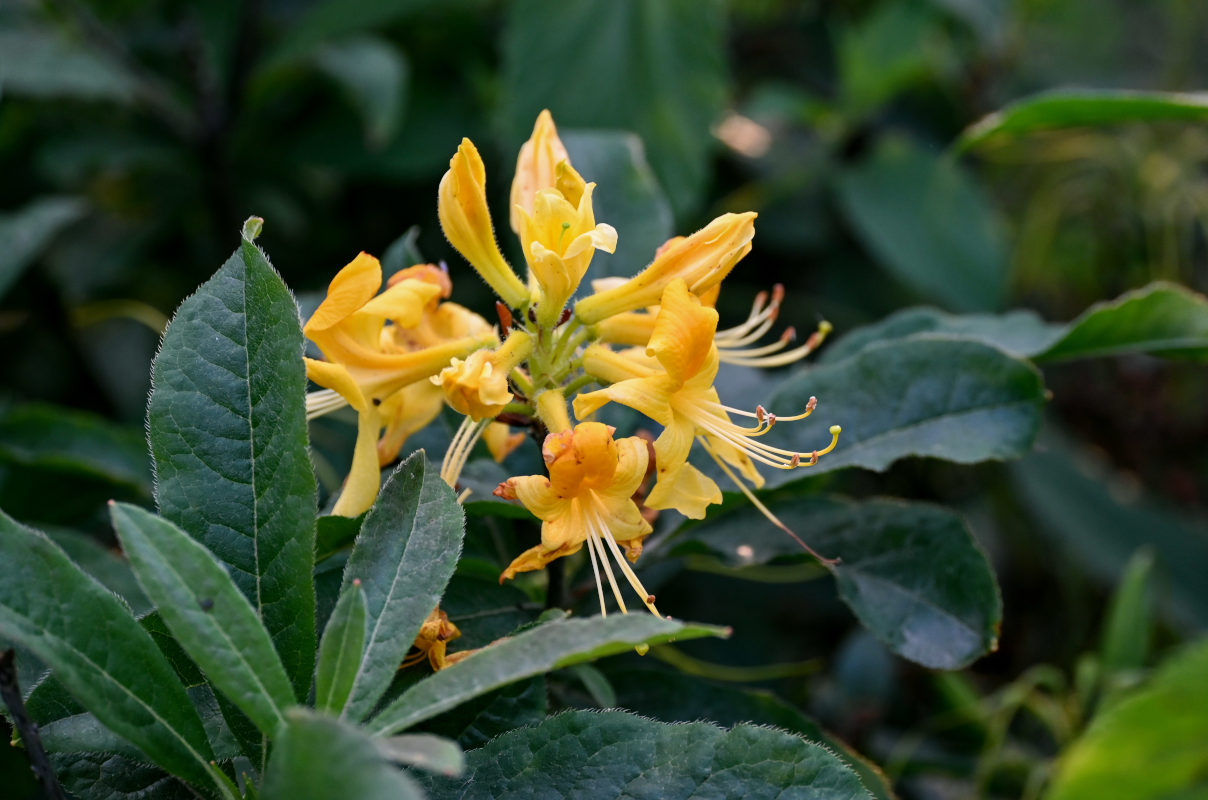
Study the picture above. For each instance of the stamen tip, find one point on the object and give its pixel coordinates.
(835, 430)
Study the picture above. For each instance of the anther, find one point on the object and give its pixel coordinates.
(377, 401)
(565, 316)
(777, 293)
(790, 333)
(795, 461)
(760, 413)
(650, 599)
(811, 405)
(814, 458)
(505, 315)
(532, 315)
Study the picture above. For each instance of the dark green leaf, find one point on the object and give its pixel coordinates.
(75, 442)
(227, 426)
(333, 534)
(340, 650)
(605, 54)
(26, 232)
(1149, 745)
(1083, 108)
(911, 572)
(627, 197)
(84, 733)
(675, 697)
(107, 566)
(1022, 334)
(210, 618)
(615, 754)
(556, 644)
(929, 224)
(373, 73)
(326, 20)
(1161, 318)
(404, 556)
(956, 400)
(320, 758)
(107, 776)
(50, 606)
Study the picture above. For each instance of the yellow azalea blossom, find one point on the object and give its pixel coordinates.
(432, 642)
(680, 396)
(587, 498)
(466, 221)
(702, 260)
(478, 386)
(367, 361)
(500, 440)
(536, 166)
(559, 237)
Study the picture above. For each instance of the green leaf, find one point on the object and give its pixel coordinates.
(42, 63)
(657, 69)
(1098, 524)
(911, 572)
(956, 400)
(227, 427)
(885, 53)
(48, 605)
(675, 697)
(1129, 624)
(340, 650)
(326, 20)
(373, 73)
(70, 441)
(1151, 744)
(627, 197)
(25, 233)
(1161, 318)
(555, 644)
(1064, 108)
(1019, 333)
(318, 758)
(107, 566)
(84, 733)
(404, 556)
(432, 753)
(333, 534)
(208, 615)
(929, 224)
(615, 754)
(108, 776)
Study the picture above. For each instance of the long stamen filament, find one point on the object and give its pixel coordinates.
(595, 568)
(593, 538)
(458, 453)
(323, 401)
(623, 563)
(826, 562)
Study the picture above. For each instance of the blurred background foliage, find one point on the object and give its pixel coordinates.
(135, 136)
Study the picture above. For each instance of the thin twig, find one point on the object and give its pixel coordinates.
(10, 693)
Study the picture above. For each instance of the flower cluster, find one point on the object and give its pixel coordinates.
(649, 342)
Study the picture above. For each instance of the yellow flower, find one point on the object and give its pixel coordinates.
(466, 221)
(679, 395)
(368, 361)
(702, 260)
(551, 213)
(536, 166)
(478, 386)
(559, 237)
(432, 642)
(587, 498)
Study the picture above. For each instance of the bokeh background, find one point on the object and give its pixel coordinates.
(135, 137)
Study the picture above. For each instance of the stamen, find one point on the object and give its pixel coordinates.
(595, 568)
(826, 562)
(458, 453)
(594, 538)
(647, 598)
(323, 401)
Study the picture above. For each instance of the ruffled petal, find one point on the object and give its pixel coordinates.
(351, 288)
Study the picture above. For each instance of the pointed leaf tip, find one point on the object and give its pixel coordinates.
(252, 228)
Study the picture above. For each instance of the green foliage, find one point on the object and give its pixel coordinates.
(958, 400)
(612, 754)
(605, 50)
(341, 649)
(1163, 724)
(227, 432)
(911, 572)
